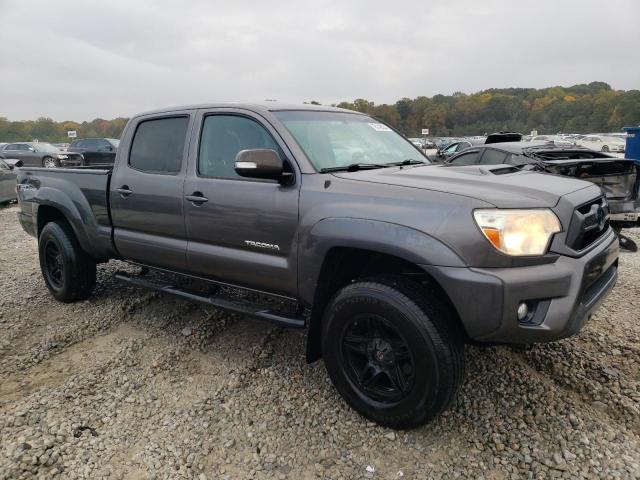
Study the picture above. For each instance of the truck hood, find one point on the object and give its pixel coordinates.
(499, 185)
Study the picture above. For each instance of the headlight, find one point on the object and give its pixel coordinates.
(518, 232)
(63, 157)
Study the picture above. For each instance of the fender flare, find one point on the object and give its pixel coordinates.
(382, 237)
(77, 213)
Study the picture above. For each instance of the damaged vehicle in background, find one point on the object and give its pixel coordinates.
(616, 176)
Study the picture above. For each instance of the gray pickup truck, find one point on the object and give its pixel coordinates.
(331, 221)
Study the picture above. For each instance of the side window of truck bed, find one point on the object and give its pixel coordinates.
(158, 145)
(223, 136)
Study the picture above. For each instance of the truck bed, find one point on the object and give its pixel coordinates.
(81, 192)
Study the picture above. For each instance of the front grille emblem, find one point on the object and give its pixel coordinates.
(601, 218)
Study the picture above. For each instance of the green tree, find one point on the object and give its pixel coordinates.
(580, 108)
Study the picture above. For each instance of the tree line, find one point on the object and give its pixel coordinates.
(46, 130)
(595, 107)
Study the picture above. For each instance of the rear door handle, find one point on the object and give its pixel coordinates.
(196, 198)
(124, 191)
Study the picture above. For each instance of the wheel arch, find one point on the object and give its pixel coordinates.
(338, 251)
(55, 206)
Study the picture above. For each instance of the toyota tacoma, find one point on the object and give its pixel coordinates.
(331, 221)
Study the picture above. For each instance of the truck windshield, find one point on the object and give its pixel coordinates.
(333, 140)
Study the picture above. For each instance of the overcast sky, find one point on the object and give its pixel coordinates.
(79, 60)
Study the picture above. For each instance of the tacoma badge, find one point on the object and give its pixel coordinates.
(268, 246)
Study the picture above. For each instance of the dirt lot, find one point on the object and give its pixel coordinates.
(132, 384)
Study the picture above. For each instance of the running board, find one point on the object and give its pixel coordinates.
(240, 306)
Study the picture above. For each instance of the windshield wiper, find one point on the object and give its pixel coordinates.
(354, 167)
(409, 161)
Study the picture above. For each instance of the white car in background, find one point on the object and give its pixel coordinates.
(556, 139)
(603, 143)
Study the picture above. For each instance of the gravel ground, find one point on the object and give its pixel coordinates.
(132, 384)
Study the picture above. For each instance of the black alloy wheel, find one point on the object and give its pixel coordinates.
(54, 264)
(377, 358)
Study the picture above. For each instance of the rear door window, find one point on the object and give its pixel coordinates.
(158, 145)
(493, 157)
(470, 158)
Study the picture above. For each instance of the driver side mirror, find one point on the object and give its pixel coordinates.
(260, 163)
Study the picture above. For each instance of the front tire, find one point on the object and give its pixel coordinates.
(50, 162)
(68, 272)
(393, 351)
(605, 148)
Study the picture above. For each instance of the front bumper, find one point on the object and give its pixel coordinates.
(71, 163)
(563, 295)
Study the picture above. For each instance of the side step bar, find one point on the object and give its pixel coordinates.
(233, 305)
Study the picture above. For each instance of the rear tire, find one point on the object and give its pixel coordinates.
(68, 272)
(50, 162)
(415, 352)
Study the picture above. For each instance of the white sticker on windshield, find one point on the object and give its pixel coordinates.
(379, 127)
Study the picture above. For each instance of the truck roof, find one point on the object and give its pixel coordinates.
(256, 107)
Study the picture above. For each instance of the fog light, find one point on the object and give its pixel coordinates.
(523, 311)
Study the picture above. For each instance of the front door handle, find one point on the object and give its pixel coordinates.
(196, 198)
(124, 190)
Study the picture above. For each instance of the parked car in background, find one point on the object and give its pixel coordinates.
(428, 144)
(453, 148)
(498, 137)
(423, 143)
(61, 146)
(442, 142)
(622, 135)
(7, 182)
(556, 139)
(603, 143)
(462, 144)
(40, 154)
(616, 177)
(96, 151)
